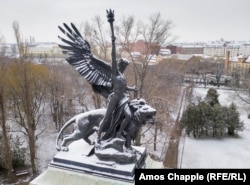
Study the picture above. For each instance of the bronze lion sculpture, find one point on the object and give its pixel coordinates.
(85, 124)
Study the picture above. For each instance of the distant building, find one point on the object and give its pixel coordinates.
(240, 64)
(142, 47)
(213, 49)
(189, 49)
(218, 48)
(234, 49)
(45, 49)
(172, 48)
(164, 52)
(245, 49)
(9, 50)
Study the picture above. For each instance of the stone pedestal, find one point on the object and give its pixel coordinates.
(58, 176)
(78, 166)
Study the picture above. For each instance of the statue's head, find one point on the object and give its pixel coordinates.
(122, 64)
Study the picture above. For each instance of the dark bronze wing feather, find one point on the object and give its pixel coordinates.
(94, 70)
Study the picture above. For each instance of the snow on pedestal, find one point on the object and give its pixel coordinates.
(78, 166)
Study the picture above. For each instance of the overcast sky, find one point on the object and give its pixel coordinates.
(194, 20)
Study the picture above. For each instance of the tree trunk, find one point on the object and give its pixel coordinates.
(138, 138)
(8, 157)
(7, 150)
(155, 137)
(32, 148)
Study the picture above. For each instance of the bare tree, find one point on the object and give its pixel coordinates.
(56, 89)
(164, 88)
(154, 34)
(27, 84)
(7, 154)
(3, 47)
(127, 33)
(63, 90)
(241, 85)
(21, 45)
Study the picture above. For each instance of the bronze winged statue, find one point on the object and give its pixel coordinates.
(107, 80)
(119, 123)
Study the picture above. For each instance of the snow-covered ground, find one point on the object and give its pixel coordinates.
(224, 152)
(46, 149)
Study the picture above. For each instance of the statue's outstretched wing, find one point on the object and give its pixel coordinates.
(95, 71)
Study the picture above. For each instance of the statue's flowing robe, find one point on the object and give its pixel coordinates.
(116, 118)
